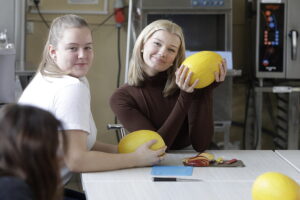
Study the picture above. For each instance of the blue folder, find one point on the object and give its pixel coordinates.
(172, 171)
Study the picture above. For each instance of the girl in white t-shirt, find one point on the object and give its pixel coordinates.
(60, 86)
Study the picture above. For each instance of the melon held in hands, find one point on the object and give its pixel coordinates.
(134, 140)
(203, 64)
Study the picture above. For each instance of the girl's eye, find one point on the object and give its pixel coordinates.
(157, 43)
(73, 48)
(88, 48)
(172, 50)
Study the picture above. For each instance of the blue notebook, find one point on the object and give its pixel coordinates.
(172, 171)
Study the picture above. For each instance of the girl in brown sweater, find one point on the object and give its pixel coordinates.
(158, 95)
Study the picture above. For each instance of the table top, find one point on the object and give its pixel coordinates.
(290, 156)
(218, 182)
(133, 190)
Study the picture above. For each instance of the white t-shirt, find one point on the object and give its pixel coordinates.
(68, 99)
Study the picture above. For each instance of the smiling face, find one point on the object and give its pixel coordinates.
(74, 51)
(160, 51)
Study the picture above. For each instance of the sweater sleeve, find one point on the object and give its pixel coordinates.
(200, 118)
(173, 124)
(127, 110)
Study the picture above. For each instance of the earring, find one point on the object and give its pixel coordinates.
(142, 51)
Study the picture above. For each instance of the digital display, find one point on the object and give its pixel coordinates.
(271, 30)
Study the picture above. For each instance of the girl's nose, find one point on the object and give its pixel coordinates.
(162, 52)
(81, 53)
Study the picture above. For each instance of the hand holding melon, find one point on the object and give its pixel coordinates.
(131, 142)
(203, 65)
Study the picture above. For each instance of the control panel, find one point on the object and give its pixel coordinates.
(271, 28)
(207, 3)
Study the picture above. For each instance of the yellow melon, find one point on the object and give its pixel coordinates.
(133, 140)
(275, 186)
(203, 64)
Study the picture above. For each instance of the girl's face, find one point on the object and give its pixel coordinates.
(160, 51)
(74, 52)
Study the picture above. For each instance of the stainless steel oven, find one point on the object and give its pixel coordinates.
(277, 39)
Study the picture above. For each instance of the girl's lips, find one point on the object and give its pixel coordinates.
(81, 64)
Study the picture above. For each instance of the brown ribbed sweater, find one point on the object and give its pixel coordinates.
(181, 119)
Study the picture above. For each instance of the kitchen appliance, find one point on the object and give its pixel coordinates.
(278, 29)
(12, 46)
(277, 72)
(7, 75)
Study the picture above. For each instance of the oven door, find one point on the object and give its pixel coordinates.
(292, 40)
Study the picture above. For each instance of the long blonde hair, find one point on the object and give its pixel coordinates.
(136, 74)
(47, 66)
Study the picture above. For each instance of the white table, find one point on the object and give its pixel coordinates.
(290, 156)
(218, 183)
(147, 190)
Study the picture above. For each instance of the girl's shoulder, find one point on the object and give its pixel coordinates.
(61, 80)
(60, 83)
(127, 90)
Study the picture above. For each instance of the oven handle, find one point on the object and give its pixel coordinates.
(293, 34)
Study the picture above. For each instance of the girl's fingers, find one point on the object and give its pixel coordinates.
(183, 74)
(183, 78)
(222, 70)
(222, 74)
(224, 67)
(187, 80)
(217, 77)
(179, 71)
(161, 152)
(195, 83)
(225, 64)
(150, 143)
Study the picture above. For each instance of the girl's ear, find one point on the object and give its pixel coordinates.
(52, 52)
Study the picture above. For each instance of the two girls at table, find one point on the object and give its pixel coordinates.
(158, 96)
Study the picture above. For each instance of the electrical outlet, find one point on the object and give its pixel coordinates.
(29, 27)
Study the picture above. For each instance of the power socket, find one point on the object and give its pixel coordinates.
(29, 27)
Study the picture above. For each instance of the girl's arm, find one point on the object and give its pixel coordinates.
(108, 148)
(201, 123)
(80, 159)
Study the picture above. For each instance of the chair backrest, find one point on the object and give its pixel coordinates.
(120, 130)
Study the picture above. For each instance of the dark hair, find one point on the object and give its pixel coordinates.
(31, 140)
